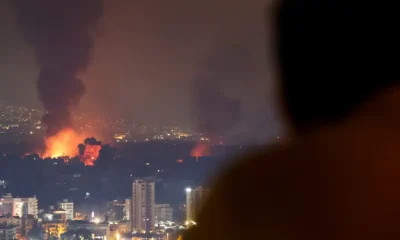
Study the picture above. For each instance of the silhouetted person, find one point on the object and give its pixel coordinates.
(339, 177)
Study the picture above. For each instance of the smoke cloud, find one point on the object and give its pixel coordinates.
(216, 113)
(61, 33)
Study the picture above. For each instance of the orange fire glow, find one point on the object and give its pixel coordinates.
(65, 144)
(200, 150)
(91, 154)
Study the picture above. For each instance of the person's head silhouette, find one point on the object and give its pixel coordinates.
(333, 57)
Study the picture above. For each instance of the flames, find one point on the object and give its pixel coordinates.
(65, 145)
(90, 154)
(200, 150)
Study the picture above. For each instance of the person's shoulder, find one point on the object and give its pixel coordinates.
(258, 162)
(251, 176)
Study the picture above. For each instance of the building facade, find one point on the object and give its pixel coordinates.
(143, 205)
(164, 213)
(28, 223)
(32, 206)
(116, 211)
(99, 230)
(68, 206)
(54, 229)
(18, 206)
(195, 199)
(14, 223)
(8, 232)
(128, 209)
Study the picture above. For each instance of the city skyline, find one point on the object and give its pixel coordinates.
(115, 114)
(160, 80)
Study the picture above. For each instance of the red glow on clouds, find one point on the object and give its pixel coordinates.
(201, 150)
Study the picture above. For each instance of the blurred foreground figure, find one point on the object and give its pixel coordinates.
(339, 177)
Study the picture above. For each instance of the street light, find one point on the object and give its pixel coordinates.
(188, 190)
(117, 235)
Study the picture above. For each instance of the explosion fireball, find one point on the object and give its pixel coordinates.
(67, 143)
(90, 154)
(64, 143)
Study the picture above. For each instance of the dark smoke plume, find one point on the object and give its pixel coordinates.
(61, 33)
(216, 113)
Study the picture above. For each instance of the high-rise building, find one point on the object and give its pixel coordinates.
(68, 206)
(18, 207)
(3, 185)
(6, 205)
(164, 213)
(31, 205)
(195, 198)
(143, 205)
(128, 209)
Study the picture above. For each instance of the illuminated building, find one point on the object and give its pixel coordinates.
(18, 206)
(15, 222)
(195, 198)
(99, 230)
(28, 222)
(8, 232)
(68, 206)
(164, 213)
(54, 229)
(143, 205)
(148, 237)
(3, 185)
(81, 216)
(6, 206)
(59, 215)
(123, 227)
(54, 223)
(128, 209)
(32, 206)
(115, 211)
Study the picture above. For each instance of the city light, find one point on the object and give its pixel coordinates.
(97, 220)
(190, 222)
(188, 190)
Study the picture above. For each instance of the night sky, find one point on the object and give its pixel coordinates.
(149, 56)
